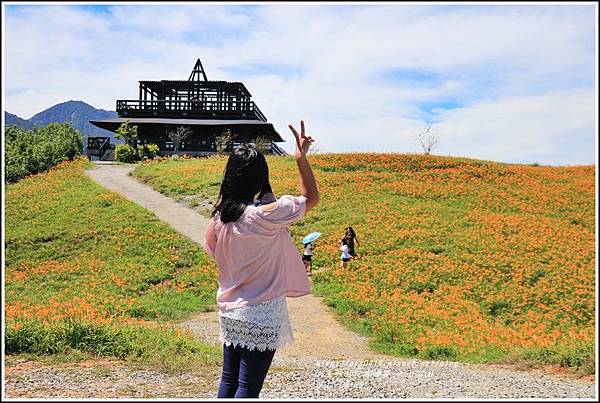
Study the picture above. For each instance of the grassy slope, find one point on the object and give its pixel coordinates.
(100, 271)
(460, 259)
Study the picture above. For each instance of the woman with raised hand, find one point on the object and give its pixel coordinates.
(259, 264)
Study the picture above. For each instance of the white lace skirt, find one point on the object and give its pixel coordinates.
(261, 326)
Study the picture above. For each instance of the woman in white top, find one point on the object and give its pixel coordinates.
(307, 257)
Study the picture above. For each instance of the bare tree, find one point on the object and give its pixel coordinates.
(222, 141)
(428, 138)
(178, 136)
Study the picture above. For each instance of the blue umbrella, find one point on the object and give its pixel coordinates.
(311, 237)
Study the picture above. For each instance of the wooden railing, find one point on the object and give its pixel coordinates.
(204, 109)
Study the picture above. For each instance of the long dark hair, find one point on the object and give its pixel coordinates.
(245, 174)
(350, 232)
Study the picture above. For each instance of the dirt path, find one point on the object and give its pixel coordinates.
(325, 361)
(116, 177)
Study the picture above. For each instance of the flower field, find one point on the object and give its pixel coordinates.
(459, 259)
(88, 270)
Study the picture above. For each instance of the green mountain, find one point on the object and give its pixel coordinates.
(77, 113)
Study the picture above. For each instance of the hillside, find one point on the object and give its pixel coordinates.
(113, 278)
(77, 113)
(10, 120)
(459, 259)
(89, 273)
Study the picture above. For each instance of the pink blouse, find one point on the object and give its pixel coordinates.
(255, 255)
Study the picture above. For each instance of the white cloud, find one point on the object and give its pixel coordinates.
(524, 129)
(520, 60)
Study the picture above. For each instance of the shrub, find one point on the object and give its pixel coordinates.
(152, 150)
(125, 153)
(29, 152)
(128, 133)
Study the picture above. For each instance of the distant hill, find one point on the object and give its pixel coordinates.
(78, 113)
(11, 120)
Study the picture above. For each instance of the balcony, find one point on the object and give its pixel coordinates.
(244, 110)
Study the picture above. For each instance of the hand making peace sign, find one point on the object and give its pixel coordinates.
(303, 142)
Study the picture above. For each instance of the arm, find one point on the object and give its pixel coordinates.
(210, 240)
(308, 185)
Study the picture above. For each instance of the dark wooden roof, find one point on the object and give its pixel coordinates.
(157, 85)
(238, 125)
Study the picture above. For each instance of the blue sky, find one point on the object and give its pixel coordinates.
(500, 82)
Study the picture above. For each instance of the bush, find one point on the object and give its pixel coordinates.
(152, 150)
(128, 133)
(29, 152)
(125, 153)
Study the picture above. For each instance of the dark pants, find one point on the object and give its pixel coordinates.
(244, 371)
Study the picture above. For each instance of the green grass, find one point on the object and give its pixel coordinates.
(100, 271)
(68, 341)
(580, 359)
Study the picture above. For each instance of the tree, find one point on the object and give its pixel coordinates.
(178, 136)
(29, 151)
(263, 144)
(222, 141)
(128, 133)
(428, 138)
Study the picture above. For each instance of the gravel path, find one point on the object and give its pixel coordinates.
(104, 379)
(302, 377)
(325, 361)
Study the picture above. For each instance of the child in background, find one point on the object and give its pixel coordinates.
(345, 251)
(307, 257)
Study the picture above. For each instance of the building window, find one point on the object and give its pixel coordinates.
(169, 145)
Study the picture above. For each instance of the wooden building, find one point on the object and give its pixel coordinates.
(208, 108)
